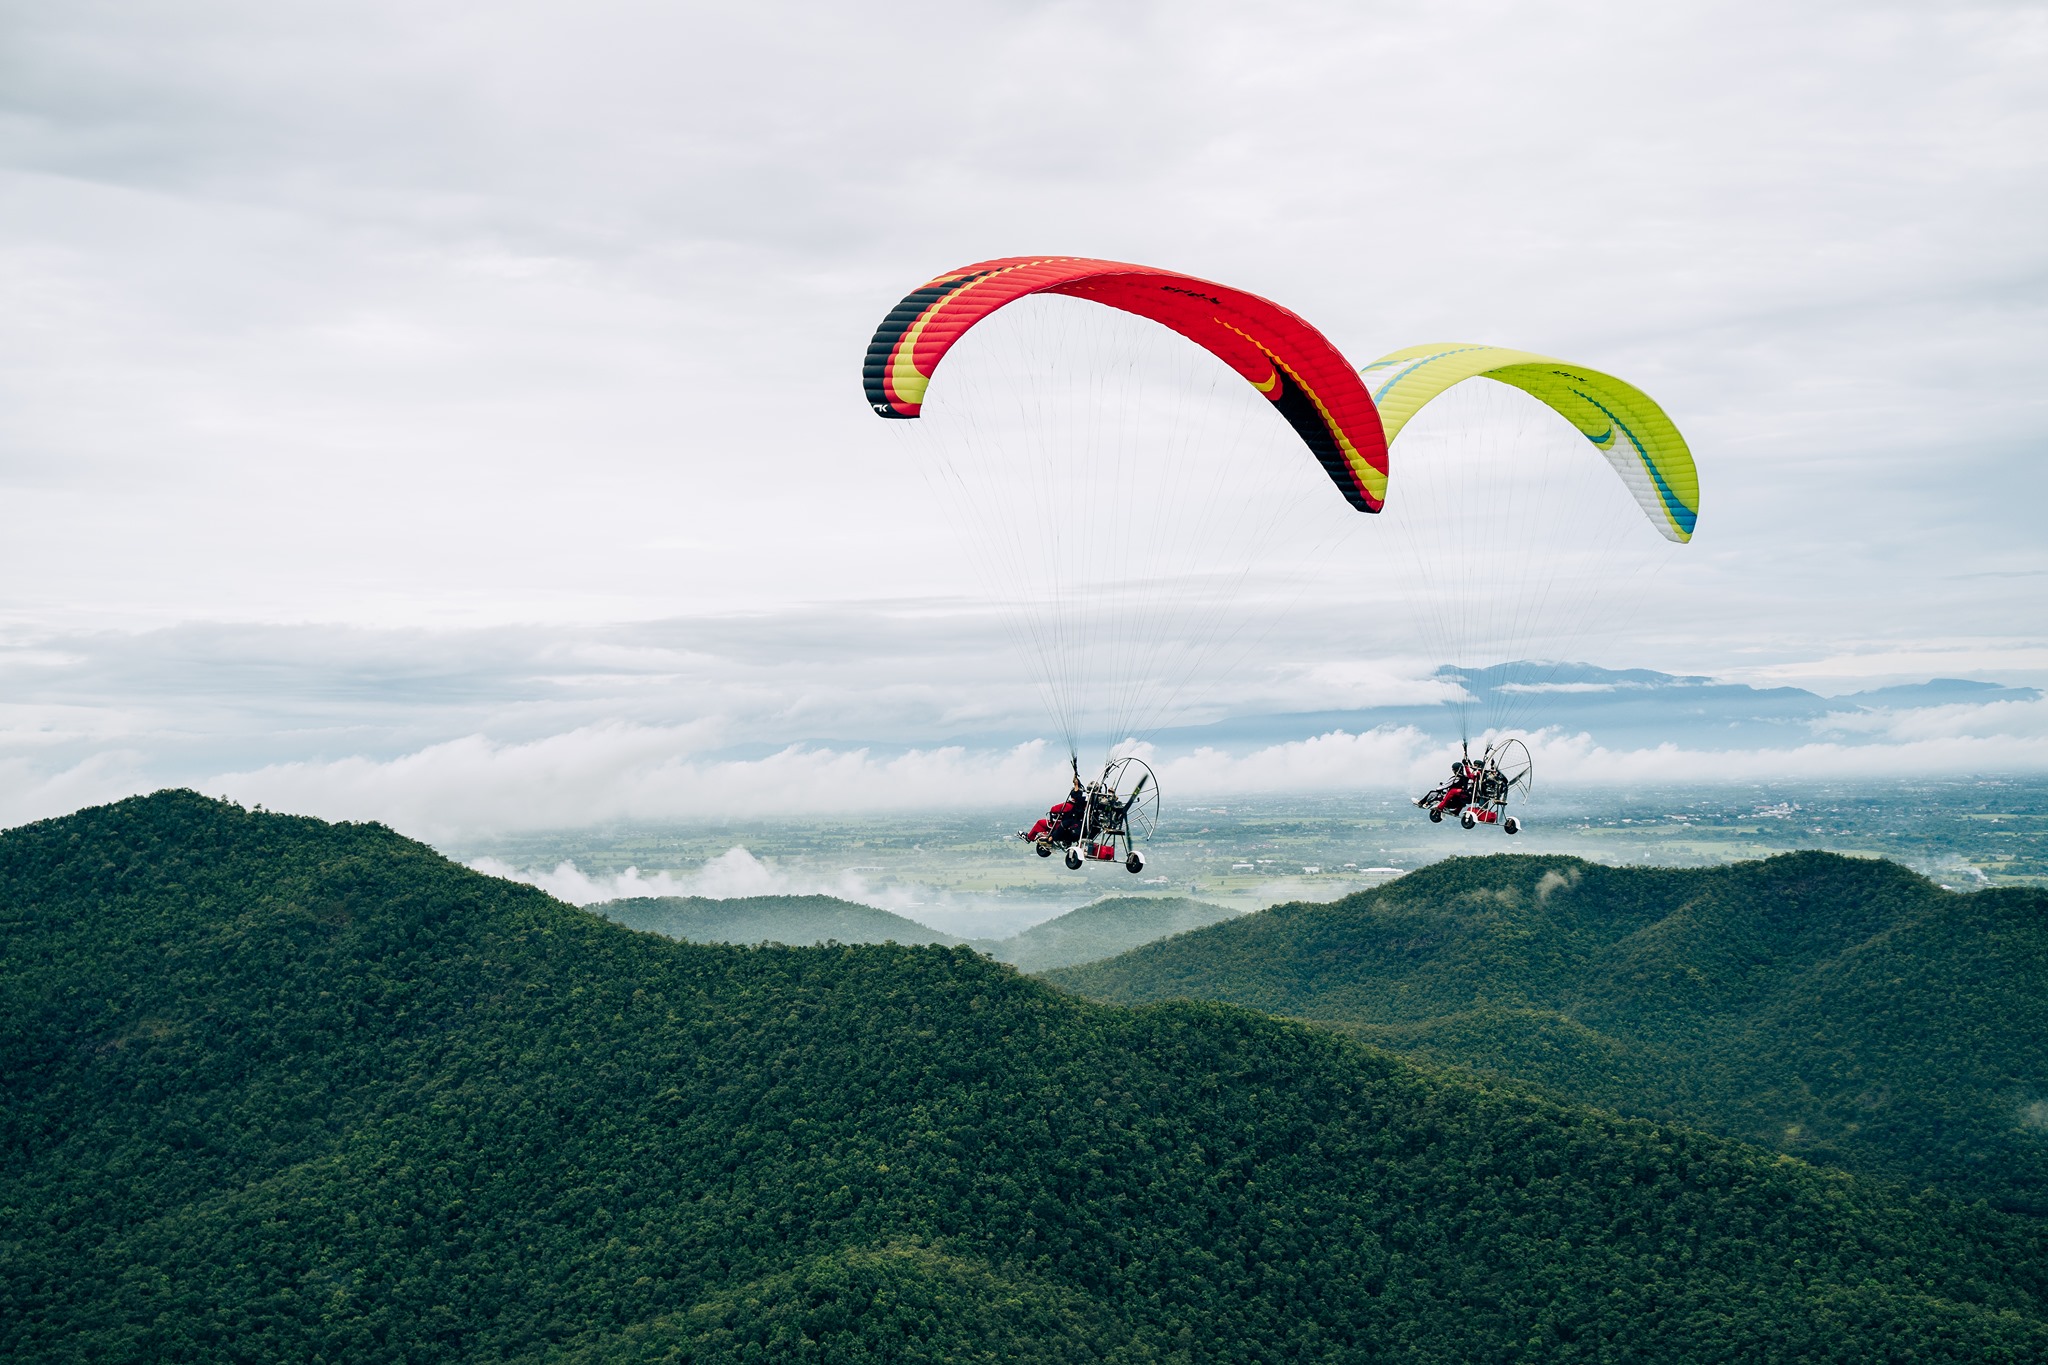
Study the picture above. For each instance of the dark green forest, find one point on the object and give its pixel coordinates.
(1844, 1010)
(284, 1090)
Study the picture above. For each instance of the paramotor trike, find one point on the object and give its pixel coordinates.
(1479, 790)
(1116, 810)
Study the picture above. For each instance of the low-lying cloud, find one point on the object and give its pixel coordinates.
(626, 773)
(733, 873)
(695, 720)
(621, 773)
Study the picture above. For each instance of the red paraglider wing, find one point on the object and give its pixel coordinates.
(1315, 388)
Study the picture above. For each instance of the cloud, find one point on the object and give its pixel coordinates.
(371, 333)
(1992, 738)
(1345, 684)
(2016, 659)
(32, 791)
(2021, 722)
(1336, 761)
(446, 733)
(617, 772)
(735, 872)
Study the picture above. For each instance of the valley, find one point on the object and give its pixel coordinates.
(959, 873)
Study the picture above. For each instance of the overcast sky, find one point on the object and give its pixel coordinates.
(391, 390)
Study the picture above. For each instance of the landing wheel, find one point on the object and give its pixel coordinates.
(1468, 819)
(1074, 859)
(1436, 817)
(1044, 847)
(1511, 825)
(1135, 863)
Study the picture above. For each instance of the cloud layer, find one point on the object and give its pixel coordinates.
(735, 872)
(629, 775)
(451, 733)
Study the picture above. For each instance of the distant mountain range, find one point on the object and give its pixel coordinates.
(1100, 930)
(1621, 708)
(1844, 1010)
(1104, 929)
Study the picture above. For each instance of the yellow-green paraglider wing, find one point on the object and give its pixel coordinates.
(1635, 435)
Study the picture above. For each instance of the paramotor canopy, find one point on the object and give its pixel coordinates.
(1275, 351)
(1638, 439)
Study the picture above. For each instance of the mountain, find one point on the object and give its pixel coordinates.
(794, 920)
(1628, 708)
(1104, 929)
(284, 1090)
(1620, 708)
(1843, 1010)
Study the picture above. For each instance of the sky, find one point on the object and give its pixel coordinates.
(449, 414)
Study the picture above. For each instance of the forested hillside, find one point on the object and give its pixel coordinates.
(1845, 1010)
(282, 1090)
(1105, 928)
(795, 920)
(1102, 929)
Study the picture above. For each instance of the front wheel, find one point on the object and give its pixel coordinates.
(1074, 859)
(1436, 817)
(1044, 847)
(1135, 863)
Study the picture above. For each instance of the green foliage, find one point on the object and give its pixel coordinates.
(905, 1304)
(280, 1090)
(1110, 926)
(794, 920)
(1844, 1010)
